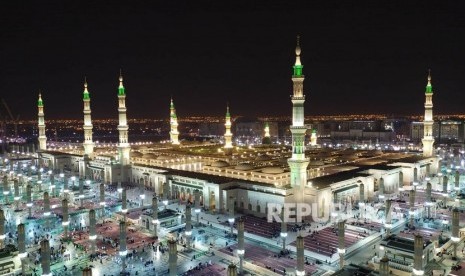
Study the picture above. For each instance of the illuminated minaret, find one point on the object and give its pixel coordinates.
(428, 139)
(228, 135)
(267, 137)
(123, 147)
(42, 137)
(88, 143)
(298, 163)
(174, 125)
(267, 130)
(313, 138)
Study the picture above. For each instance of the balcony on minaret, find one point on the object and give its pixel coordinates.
(297, 98)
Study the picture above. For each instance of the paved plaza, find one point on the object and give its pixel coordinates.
(210, 248)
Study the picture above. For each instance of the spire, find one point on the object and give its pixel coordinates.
(228, 115)
(121, 91)
(86, 92)
(40, 102)
(298, 65)
(429, 87)
(172, 109)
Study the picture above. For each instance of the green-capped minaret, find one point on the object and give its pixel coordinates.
(298, 162)
(124, 148)
(428, 122)
(41, 124)
(429, 87)
(88, 142)
(40, 103)
(85, 94)
(298, 65)
(121, 91)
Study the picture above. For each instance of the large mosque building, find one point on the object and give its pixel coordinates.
(251, 176)
(360, 197)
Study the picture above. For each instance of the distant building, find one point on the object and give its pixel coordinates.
(251, 130)
(356, 130)
(448, 131)
(215, 129)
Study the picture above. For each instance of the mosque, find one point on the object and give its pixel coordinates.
(251, 176)
(221, 178)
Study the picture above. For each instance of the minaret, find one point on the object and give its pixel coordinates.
(42, 137)
(267, 137)
(174, 125)
(123, 147)
(88, 143)
(428, 139)
(313, 138)
(298, 163)
(228, 135)
(267, 130)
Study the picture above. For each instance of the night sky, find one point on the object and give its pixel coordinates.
(359, 56)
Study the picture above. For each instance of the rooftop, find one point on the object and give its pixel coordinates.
(400, 243)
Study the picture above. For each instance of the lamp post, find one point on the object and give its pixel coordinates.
(22, 246)
(29, 199)
(155, 220)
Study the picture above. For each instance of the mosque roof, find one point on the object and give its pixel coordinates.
(272, 170)
(136, 154)
(401, 243)
(244, 167)
(149, 156)
(323, 182)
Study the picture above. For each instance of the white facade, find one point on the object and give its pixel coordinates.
(428, 139)
(123, 146)
(41, 125)
(298, 163)
(174, 134)
(88, 143)
(228, 135)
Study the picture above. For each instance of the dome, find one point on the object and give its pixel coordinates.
(244, 167)
(273, 170)
(149, 156)
(136, 154)
(219, 164)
